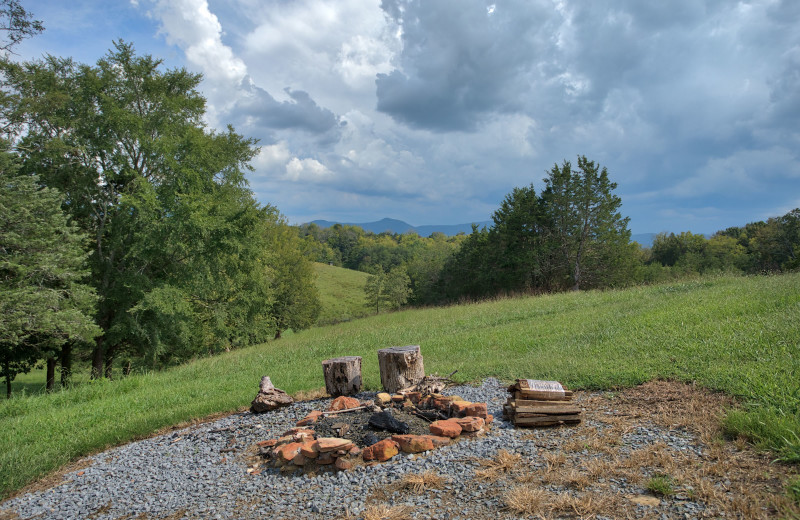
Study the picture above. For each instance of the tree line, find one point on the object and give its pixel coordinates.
(128, 230)
(569, 236)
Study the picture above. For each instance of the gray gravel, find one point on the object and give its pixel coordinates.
(201, 472)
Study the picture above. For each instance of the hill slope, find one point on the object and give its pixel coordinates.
(341, 292)
(737, 335)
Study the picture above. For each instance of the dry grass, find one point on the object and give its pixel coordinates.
(526, 500)
(730, 478)
(386, 512)
(503, 462)
(419, 482)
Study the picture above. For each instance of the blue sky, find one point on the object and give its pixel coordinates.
(430, 111)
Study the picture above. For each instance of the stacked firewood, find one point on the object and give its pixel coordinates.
(540, 403)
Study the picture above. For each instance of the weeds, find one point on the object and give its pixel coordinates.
(661, 485)
(419, 482)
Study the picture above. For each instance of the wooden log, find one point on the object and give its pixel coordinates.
(547, 420)
(536, 402)
(400, 367)
(550, 410)
(342, 375)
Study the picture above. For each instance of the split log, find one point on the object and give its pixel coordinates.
(400, 367)
(342, 375)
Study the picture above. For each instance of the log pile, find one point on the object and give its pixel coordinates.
(535, 403)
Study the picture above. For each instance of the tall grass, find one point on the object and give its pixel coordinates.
(737, 335)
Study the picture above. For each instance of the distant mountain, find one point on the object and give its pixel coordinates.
(398, 226)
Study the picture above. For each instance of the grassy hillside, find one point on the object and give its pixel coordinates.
(341, 293)
(738, 335)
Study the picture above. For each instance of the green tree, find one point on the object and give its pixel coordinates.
(374, 289)
(397, 287)
(16, 23)
(180, 249)
(584, 220)
(296, 303)
(44, 302)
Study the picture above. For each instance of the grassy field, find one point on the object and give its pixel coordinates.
(341, 293)
(737, 335)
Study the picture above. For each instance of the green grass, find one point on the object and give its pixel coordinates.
(737, 335)
(661, 485)
(341, 293)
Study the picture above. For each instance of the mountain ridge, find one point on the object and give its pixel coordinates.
(398, 226)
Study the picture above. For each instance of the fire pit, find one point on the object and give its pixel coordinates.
(351, 432)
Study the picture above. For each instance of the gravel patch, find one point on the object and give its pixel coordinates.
(202, 471)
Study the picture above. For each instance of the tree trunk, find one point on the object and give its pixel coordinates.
(278, 334)
(51, 374)
(400, 367)
(110, 352)
(66, 364)
(97, 359)
(7, 368)
(342, 375)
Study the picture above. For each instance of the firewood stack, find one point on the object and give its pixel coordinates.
(540, 403)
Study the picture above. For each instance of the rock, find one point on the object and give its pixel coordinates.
(343, 464)
(446, 428)
(269, 398)
(269, 443)
(385, 421)
(310, 449)
(325, 459)
(287, 452)
(414, 397)
(343, 403)
(381, 451)
(311, 418)
(459, 408)
(383, 398)
(413, 443)
(327, 444)
(299, 459)
(355, 451)
(438, 441)
(442, 403)
(477, 410)
(470, 424)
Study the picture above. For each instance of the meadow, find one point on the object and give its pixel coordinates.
(738, 335)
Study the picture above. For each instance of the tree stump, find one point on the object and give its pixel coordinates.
(342, 375)
(400, 367)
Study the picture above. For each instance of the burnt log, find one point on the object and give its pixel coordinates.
(400, 367)
(342, 375)
(385, 421)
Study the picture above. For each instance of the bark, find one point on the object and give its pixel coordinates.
(66, 364)
(110, 352)
(51, 374)
(97, 359)
(400, 367)
(342, 375)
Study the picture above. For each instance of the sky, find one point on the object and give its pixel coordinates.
(431, 111)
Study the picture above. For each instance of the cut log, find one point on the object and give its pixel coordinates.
(547, 420)
(550, 410)
(400, 367)
(342, 375)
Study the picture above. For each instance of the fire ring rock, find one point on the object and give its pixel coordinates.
(269, 398)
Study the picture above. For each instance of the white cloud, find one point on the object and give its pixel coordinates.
(190, 25)
(306, 170)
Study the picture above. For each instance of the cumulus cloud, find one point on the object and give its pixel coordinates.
(440, 108)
